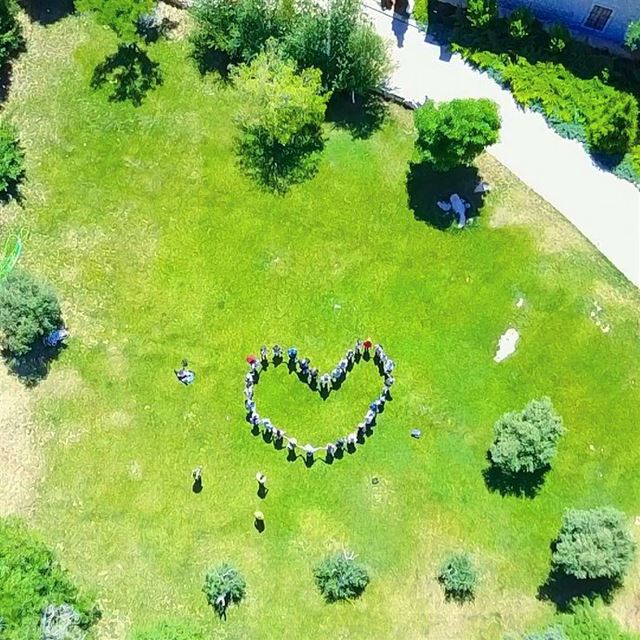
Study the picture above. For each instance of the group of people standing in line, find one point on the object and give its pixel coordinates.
(324, 384)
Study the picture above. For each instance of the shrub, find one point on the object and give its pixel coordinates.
(421, 13)
(11, 160)
(224, 586)
(632, 36)
(454, 133)
(120, 15)
(593, 544)
(29, 310)
(30, 581)
(552, 633)
(167, 630)
(481, 13)
(559, 38)
(341, 577)
(458, 577)
(586, 623)
(280, 114)
(11, 39)
(521, 23)
(526, 441)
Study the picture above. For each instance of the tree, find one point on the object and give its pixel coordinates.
(120, 15)
(31, 580)
(10, 31)
(632, 36)
(593, 544)
(521, 23)
(341, 577)
(559, 37)
(458, 577)
(223, 586)
(280, 113)
(11, 160)
(481, 13)
(29, 310)
(526, 441)
(454, 133)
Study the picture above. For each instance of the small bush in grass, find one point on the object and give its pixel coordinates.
(559, 38)
(421, 13)
(223, 586)
(593, 544)
(521, 23)
(454, 133)
(458, 577)
(632, 36)
(29, 310)
(552, 633)
(481, 13)
(526, 441)
(341, 577)
(11, 160)
(10, 31)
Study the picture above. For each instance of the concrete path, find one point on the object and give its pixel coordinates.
(604, 208)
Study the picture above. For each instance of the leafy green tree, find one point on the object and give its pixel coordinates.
(341, 577)
(454, 133)
(120, 15)
(11, 160)
(632, 36)
(458, 577)
(30, 581)
(280, 113)
(10, 31)
(29, 310)
(223, 586)
(481, 13)
(526, 441)
(593, 544)
(167, 630)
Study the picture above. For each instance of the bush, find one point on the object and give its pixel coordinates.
(120, 15)
(458, 577)
(481, 13)
(526, 441)
(167, 630)
(29, 310)
(341, 577)
(224, 586)
(552, 633)
(521, 23)
(280, 114)
(559, 38)
(632, 36)
(593, 544)
(421, 13)
(30, 581)
(586, 623)
(454, 133)
(11, 39)
(11, 160)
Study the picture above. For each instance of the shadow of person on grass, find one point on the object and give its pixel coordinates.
(425, 187)
(130, 72)
(34, 366)
(361, 118)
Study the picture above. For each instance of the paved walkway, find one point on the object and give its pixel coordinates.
(604, 208)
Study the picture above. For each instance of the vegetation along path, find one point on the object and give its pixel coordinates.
(606, 209)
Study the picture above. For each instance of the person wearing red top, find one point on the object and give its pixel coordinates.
(367, 344)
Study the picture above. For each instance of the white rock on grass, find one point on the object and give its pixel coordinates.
(507, 344)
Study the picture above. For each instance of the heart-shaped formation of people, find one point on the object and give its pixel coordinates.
(324, 384)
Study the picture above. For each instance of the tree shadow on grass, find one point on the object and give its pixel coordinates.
(361, 118)
(33, 367)
(277, 167)
(130, 72)
(425, 187)
(566, 591)
(522, 485)
(47, 11)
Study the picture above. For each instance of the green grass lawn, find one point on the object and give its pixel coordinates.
(161, 249)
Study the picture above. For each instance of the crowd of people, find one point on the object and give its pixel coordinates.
(324, 384)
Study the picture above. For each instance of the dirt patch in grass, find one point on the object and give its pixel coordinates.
(21, 461)
(514, 204)
(179, 20)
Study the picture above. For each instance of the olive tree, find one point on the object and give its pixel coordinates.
(223, 586)
(29, 310)
(593, 544)
(341, 577)
(452, 134)
(526, 441)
